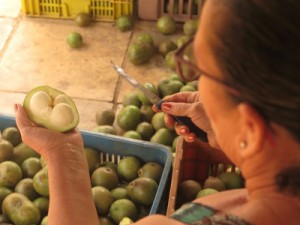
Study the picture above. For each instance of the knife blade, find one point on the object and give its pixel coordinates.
(157, 101)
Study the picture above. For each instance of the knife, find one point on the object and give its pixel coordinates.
(157, 101)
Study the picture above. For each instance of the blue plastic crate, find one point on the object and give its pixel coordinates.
(114, 148)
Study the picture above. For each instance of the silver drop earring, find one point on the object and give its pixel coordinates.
(243, 145)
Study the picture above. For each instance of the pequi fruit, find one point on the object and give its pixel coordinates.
(214, 183)
(188, 190)
(163, 136)
(83, 19)
(122, 208)
(128, 168)
(169, 87)
(146, 130)
(129, 117)
(166, 25)
(131, 99)
(51, 108)
(107, 129)
(151, 170)
(31, 166)
(10, 174)
(12, 134)
(6, 150)
(74, 39)
(231, 180)
(93, 158)
(170, 59)
(20, 210)
(205, 192)
(105, 177)
(124, 23)
(139, 53)
(23, 152)
(190, 27)
(142, 190)
(105, 117)
(151, 87)
(40, 182)
(102, 199)
(132, 134)
(166, 46)
(25, 187)
(147, 113)
(144, 38)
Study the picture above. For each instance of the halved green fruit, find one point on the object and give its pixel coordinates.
(51, 108)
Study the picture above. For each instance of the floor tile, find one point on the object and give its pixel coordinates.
(10, 8)
(6, 27)
(38, 54)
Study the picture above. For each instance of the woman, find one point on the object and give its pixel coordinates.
(248, 55)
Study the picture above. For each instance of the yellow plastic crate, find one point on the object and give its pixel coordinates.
(100, 10)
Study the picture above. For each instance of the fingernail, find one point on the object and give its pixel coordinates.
(166, 106)
(182, 130)
(16, 107)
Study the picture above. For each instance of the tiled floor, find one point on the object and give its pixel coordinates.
(33, 51)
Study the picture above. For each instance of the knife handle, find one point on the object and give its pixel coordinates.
(188, 122)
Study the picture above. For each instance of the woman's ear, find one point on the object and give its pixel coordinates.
(253, 130)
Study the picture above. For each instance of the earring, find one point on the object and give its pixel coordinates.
(243, 145)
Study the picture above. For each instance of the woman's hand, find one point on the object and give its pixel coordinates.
(42, 140)
(187, 104)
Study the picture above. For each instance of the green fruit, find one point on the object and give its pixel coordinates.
(102, 198)
(43, 161)
(170, 59)
(142, 97)
(123, 208)
(158, 121)
(147, 113)
(6, 150)
(30, 167)
(231, 180)
(126, 221)
(110, 165)
(61, 112)
(43, 205)
(131, 99)
(175, 141)
(10, 174)
(186, 88)
(190, 27)
(25, 187)
(193, 84)
(140, 53)
(44, 220)
(214, 183)
(105, 177)
(205, 192)
(182, 40)
(105, 221)
(166, 25)
(168, 87)
(129, 117)
(12, 134)
(128, 168)
(146, 130)
(93, 158)
(163, 136)
(107, 129)
(119, 193)
(83, 19)
(20, 210)
(4, 191)
(144, 38)
(124, 23)
(23, 152)
(74, 39)
(41, 182)
(166, 46)
(132, 134)
(142, 190)
(105, 117)
(151, 170)
(188, 190)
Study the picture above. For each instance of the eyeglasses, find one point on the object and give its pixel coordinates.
(188, 70)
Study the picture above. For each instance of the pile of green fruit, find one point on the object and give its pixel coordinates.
(123, 189)
(137, 120)
(191, 189)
